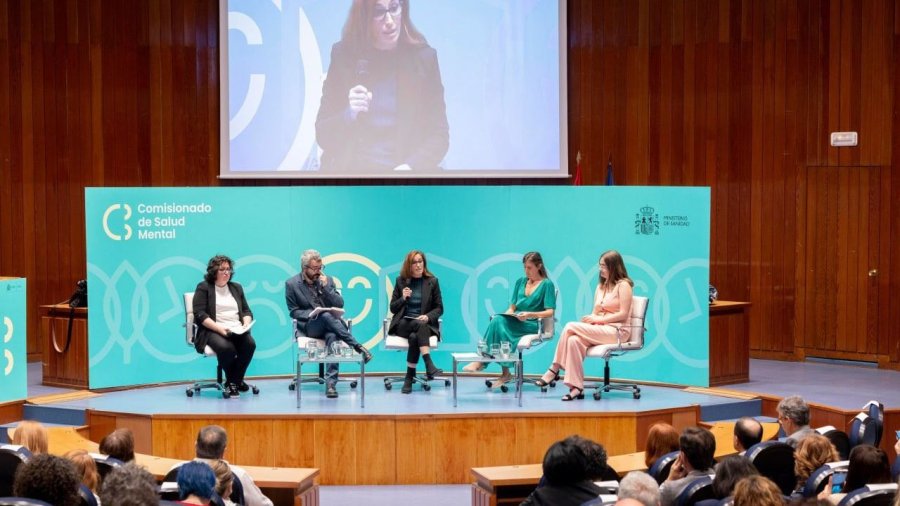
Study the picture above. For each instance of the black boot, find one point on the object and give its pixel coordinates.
(408, 380)
(367, 355)
(430, 369)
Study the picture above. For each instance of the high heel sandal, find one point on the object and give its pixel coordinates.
(579, 396)
(541, 383)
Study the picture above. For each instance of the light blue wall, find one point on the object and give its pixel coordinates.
(474, 238)
(13, 338)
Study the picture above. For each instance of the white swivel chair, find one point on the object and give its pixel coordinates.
(301, 344)
(607, 351)
(190, 330)
(397, 343)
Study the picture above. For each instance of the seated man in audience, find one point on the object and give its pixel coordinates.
(793, 415)
(597, 467)
(695, 459)
(566, 480)
(119, 444)
(639, 487)
(129, 485)
(48, 478)
(211, 443)
(747, 432)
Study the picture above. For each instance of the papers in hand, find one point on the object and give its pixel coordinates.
(243, 328)
(336, 311)
(514, 316)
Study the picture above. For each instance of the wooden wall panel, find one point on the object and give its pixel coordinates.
(738, 95)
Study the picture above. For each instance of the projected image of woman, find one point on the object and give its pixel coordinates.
(382, 108)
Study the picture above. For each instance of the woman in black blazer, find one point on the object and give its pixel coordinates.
(416, 304)
(221, 310)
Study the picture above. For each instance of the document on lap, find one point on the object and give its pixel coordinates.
(336, 311)
(243, 328)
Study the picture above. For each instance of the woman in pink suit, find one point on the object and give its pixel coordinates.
(612, 308)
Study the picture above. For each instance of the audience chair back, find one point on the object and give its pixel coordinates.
(397, 343)
(86, 496)
(819, 478)
(660, 469)
(775, 461)
(11, 457)
(867, 427)
(190, 329)
(21, 501)
(696, 491)
(871, 495)
(838, 438)
(105, 464)
(635, 342)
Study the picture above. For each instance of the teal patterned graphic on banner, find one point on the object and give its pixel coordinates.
(148, 246)
(13, 337)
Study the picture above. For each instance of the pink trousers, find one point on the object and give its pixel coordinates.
(574, 341)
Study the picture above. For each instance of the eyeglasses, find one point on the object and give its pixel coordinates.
(315, 269)
(226, 270)
(394, 10)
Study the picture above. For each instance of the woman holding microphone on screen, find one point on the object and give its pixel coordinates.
(382, 108)
(416, 305)
(612, 308)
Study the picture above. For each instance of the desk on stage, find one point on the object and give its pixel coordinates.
(509, 485)
(729, 343)
(63, 367)
(283, 485)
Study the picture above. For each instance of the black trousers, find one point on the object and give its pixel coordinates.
(418, 333)
(234, 354)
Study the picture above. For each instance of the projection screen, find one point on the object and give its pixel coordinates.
(393, 89)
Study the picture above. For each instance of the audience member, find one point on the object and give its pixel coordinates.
(747, 432)
(31, 435)
(812, 453)
(597, 467)
(119, 444)
(565, 470)
(793, 415)
(129, 485)
(662, 438)
(695, 459)
(196, 483)
(730, 471)
(639, 487)
(211, 443)
(868, 466)
(224, 480)
(757, 491)
(628, 502)
(48, 478)
(86, 468)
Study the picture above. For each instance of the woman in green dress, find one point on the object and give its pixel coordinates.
(533, 297)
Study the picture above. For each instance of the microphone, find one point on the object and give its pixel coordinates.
(362, 70)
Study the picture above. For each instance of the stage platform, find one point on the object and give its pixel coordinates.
(422, 439)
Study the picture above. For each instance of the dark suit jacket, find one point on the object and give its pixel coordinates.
(423, 134)
(432, 303)
(205, 308)
(570, 495)
(299, 299)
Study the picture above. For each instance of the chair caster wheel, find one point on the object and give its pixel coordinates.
(352, 384)
(504, 388)
(597, 395)
(225, 395)
(489, 383)
(446, 383)
(426, 387)
(255, 390)
(552, 384)
(189, 392)
(387, 385)
(637, 395)
(543, 390)
(292, 386)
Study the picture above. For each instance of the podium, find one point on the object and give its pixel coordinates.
(729, 343)
(64, 366)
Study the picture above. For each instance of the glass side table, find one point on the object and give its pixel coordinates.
(463, 358)
(355, 358)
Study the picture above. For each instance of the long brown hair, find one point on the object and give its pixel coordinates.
(661, 439)
(86, 468)
(32, 435)
(356, 29)
(615, 267)
(535, 258)
(406, 270)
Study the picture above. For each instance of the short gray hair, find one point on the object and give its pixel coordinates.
(794, 408)
(641, 487)
(308, 256)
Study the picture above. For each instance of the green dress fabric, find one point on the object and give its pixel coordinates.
(502, 329)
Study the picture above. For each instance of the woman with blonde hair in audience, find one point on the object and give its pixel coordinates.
(757, 491)
(31, 435)
(662, 438)
(224, 480)
(86, 469)
(812, 452)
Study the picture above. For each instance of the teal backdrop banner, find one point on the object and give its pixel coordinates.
(147, 246)
(13, 336)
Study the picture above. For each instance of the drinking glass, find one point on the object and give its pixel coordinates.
(504, 350)
(482, 347)
(311, 349)
(336, 348)
(495, 350)
(322, 352)
(346, 352)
